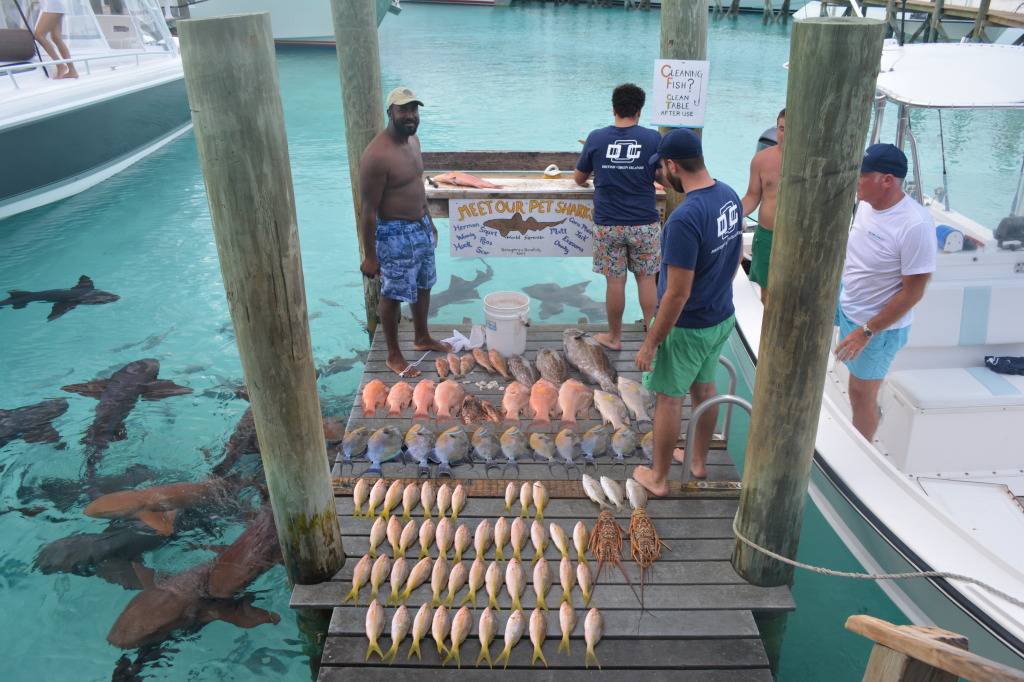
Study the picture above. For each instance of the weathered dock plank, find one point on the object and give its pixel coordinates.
(685, 550)
(575, 509)
(386, 674)
(612, 653)
(606, 596)
(624, 624)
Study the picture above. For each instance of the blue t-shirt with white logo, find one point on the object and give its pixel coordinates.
(704, 235)
(623, 179)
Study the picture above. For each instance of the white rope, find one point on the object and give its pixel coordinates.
(877, 576)
(414, 364)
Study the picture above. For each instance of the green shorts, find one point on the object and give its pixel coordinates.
(687, 356)
(761, 256)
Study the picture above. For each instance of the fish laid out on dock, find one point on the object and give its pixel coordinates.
(523, 370)
(460, 179)
(399, 398)
(374, 395)
(589, 358)
(423, 398)
(552, 366)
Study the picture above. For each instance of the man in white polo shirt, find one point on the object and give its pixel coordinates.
(890, 256)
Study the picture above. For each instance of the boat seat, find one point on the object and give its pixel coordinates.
(952, 420)
(958, 388)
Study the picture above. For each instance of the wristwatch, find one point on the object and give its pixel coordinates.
(867, 330)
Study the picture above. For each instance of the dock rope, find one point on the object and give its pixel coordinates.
(876, 576)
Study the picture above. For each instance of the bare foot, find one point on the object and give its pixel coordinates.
(431, 344)
(698, 472)
(402, 368)
(606, 340)
(645, 477)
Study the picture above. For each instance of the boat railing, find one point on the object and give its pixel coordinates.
(731, 369)
(12, 71)
(691, 427)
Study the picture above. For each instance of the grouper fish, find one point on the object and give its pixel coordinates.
(587, 356)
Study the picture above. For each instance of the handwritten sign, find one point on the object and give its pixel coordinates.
(680, 92)
(521, 227)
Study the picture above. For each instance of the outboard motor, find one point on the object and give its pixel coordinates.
(1010, 233)
(769, 138)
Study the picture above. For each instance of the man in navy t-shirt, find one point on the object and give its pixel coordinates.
(626, 221)
(700, 251)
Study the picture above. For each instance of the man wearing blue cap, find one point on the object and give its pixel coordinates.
(890, 255)
(700, 252)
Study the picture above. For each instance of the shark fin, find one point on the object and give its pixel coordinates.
(240, 613)
(160, 521)
(90, 389)
(579, 287)
(17, 293)
(84, 282)
(145, 574)
(59, 308)
(44, 433)
(161, 388)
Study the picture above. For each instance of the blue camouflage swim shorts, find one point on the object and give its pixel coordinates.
(405, 249)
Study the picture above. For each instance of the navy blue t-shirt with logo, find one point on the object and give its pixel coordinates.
(623, 179)
(704, 235)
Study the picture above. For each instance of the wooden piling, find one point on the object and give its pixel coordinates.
(233, 91)
(935, 30)
(978, 32)
(684, 35)
(827, 118)
(355, 34)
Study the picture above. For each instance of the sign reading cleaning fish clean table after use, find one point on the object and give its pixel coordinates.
(680, 92)
(521, 227)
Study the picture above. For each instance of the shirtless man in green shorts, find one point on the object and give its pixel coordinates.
(763, 191)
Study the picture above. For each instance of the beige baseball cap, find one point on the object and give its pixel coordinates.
(402, 95)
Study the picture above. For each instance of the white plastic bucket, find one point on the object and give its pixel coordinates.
(507, 314)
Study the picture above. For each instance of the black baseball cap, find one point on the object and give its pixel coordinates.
(681, 143)
(884, 158)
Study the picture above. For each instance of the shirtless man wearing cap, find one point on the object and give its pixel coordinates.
(398, 235)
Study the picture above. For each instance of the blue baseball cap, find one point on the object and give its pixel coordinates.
(884, 158)
(681, 143)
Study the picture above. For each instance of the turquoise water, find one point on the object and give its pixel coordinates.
(532, 77)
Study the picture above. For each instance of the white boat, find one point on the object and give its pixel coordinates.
(293, 22)
(941, 486)
(60, 137)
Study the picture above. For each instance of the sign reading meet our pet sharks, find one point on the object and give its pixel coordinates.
(521, 227)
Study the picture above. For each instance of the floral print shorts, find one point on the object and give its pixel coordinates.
(632, 248)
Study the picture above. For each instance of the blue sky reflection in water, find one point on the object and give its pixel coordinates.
(532, 77)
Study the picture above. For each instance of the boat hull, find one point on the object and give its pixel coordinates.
(70, 150)
(880, 550)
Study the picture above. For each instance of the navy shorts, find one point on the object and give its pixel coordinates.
(405, 249)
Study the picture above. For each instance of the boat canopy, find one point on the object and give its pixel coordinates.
(953, 75)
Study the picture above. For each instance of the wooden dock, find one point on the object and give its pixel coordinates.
(699, 618)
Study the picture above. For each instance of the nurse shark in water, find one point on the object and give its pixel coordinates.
(118, 396)
(189, 600)
(32, 423)
(63, 300)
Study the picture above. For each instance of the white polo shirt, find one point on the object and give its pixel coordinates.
(883, 247)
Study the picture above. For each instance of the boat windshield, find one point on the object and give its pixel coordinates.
(100, 26)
